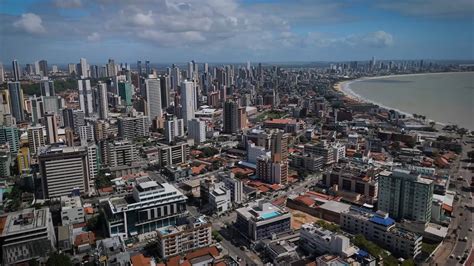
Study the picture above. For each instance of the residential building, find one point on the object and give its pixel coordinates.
(10, 135)
(308, 162)
(72, 211)
(323, 149)
(121, 153)
(317, 240)
(197, 130)
(173, 154)
(188, 101)
(178, 239)
(26, 235)
(381, 229)
(85, 97)
(51, 126)
(47, 87)
(134, 127)
(231, 117)
(406, 195)
(291, 126)
(234, 185)
(17, 105)
(125, 92)
(102, 101)
(220, 199)
(272, 172)
(261, 219)
(55, 181)
(5, 161)
(153, 98)
(173, 128)
(151, 206)
(253, 152)
(114, 251)
(35, 138)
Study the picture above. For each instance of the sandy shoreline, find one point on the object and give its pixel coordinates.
(344, 87)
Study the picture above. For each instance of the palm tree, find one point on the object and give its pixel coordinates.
(432, 124)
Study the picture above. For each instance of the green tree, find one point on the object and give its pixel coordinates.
(57, 259)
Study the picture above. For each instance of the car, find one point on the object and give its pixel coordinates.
(470, 229)
(470, 197)
(451, 256)
(458, 257)
(239, 259)
(465, 239)
(460, 214)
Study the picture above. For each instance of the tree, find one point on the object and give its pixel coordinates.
(57, 259)
(432, 124)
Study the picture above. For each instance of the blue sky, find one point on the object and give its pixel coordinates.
(165, 31)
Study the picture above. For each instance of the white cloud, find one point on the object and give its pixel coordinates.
(94, 37)
(30, 23)
(172, 38)
(377, 39)
(430, 8)
(67, 3)
(141, 19)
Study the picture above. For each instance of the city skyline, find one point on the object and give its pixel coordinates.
(234, 31)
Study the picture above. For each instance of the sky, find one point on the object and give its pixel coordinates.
(167, 31)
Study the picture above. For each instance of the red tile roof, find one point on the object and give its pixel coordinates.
(140, 260)
(85, 238)
(213, 251)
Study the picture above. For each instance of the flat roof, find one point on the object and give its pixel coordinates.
(335, 206)
(25, 220)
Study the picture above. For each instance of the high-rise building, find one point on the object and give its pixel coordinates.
(35, 139)
(125, 92)
(173, 128)
(16, 101)
(5, 161)
(85, 96)
(175, 77)
(10, 135)
(231, 117)
(54, 69)
(120, 153)
(153, 98)
(133, 127)
(51, 125)
(16, 70)
(165, 91)
(2, 73)
(103, 105)
(173, 154)
(279, 146)
(43, 68)
(272, 172)
(84, 68)
(72, 69)
(111, 70)
(56, 182)
(197, 130)
(93, 160)
(86, 134)
(47, 88)
(405, 195)
(188, 101)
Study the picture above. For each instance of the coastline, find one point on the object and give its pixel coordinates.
(344, 87)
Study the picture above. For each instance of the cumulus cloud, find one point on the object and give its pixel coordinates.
(377, 39)
(30, 23)
(141, 19)
(93, 37)
(67, 3)
(430, 8)
(172, 38)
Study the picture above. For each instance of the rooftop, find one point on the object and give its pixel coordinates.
(24, 220)
(261, 210)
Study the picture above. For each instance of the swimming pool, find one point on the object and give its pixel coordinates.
(269, 215)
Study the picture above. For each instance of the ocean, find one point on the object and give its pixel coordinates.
(447, 98)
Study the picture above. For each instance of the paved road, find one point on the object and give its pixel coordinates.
(462, 222)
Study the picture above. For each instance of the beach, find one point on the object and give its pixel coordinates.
(418, 93)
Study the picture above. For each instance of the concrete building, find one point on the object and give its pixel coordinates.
(86, 134)
(219, 198)
(261, 219)
(51, 126)
(151, 206)
(47, 87)
(188, 101)
(406, 195)
(197, 130)
(5, 161)
(102, 101)
(339, 152)
(113, 251)
(85, 97)
(234, 185)
(125, 92)
(35, 138)
(173, 154)
(83, 68)
(134, 127)
(17, 105)
(93, 160)
(308, 162)
(272, 172)
(253, 152)
(321, 149)
(26, 235)
(10, 135)
(72, 211)
(317, 240)
(381, 229)
(178, 239)
(153, 98)
(55, 181)
(121, 153)
(231, 117)
(173, 128)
